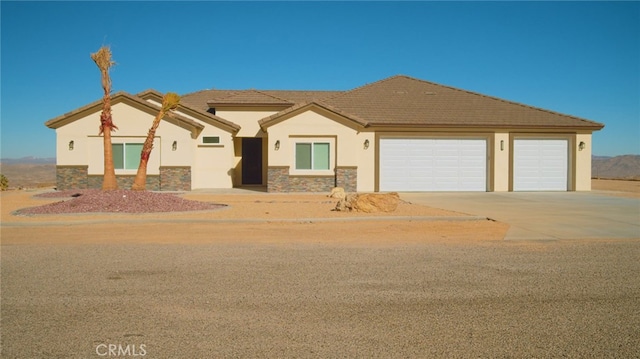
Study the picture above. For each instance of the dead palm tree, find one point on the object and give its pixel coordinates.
(102, 58)
(170, 102)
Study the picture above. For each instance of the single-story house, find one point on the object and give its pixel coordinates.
(396, 134)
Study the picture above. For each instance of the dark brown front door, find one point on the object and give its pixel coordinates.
(252, 161)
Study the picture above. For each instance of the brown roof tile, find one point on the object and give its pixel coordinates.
(249, 97)
(193, 110)
(207, 98)
(402, 100)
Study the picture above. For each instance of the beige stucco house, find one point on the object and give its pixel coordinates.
(397, 134)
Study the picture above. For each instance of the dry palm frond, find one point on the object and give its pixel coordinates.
(170, 101)
(102, 58)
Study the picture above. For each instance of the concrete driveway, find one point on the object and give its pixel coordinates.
(545, 215)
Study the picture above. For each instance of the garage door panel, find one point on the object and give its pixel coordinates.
(540, 165)
(433, 164)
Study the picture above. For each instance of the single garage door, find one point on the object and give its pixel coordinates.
(420, 164)
(540, 164)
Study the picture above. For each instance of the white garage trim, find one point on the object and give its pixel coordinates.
(427, 164)
(540, 164)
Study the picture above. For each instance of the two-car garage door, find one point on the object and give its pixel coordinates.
(424, 164)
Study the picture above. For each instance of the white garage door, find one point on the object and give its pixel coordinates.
(540, 164)
(420, 164)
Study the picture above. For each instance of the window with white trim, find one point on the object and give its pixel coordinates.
(211, 140)
(312, 156)
(126, 156)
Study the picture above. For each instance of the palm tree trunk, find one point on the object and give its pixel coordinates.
(102, 58)
(109, 181)
(140, 181)
(170, 102)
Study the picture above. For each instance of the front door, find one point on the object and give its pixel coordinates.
(251, 161)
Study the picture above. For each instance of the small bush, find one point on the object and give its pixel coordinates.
(4, 183)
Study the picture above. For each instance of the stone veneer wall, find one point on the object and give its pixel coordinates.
(175, 178)
(125, 182)
(172, 178)
(347, 178)
(71, 177)
(311, 183)
(279, 180)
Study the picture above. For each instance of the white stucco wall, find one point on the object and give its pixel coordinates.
(247, 118)
(501, 150)
(213, 163)
(583, 162)
(133, 125)
(347, 143)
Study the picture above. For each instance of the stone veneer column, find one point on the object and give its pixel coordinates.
(175, 178)
(278, 179)
(347, 178)
(71, 177)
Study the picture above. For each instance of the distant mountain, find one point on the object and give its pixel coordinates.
(620, 167)
(29, 159)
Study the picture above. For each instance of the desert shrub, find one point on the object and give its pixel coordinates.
(4, 183)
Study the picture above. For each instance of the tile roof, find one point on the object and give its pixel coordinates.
(192, 110)
(250, 97)
(201, 99)
(402, 101)
(405, 101)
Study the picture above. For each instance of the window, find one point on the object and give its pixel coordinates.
(126, 156)
(211, 140)
(312, 156)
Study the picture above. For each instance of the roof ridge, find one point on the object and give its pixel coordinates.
(149, 91)
(341, 93)
(270, 95)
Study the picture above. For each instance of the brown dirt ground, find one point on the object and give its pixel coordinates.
(621, 188)
(302, 211)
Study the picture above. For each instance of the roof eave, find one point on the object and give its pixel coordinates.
(55, 123)
(595, 127)
(283, 115)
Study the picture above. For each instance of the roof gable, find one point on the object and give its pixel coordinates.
(193, 111)
(122, 97)
(310, 106)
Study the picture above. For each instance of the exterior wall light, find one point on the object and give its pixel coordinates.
(501, 145)
(174, 146)
(366, 144)
(277, 145)
(71, 145)
(581, 145)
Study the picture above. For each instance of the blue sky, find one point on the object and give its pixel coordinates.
(578, 58)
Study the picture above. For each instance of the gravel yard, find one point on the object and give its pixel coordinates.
(198, 284)
(255, 296)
